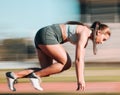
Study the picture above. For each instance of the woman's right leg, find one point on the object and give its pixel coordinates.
(45, 55)
(45, 61)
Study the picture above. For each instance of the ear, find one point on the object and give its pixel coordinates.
(98, 32)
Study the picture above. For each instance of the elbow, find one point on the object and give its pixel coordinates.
(78, 61)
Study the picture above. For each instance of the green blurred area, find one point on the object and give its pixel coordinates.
(16, 49)
(92, 74)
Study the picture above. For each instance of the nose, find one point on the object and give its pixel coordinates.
(102, 42)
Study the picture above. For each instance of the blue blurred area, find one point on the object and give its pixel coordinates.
(55, 11)
(24, 17)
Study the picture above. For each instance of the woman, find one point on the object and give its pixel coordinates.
(48, 42)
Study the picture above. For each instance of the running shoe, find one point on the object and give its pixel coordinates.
(35, 80)
(11, 80)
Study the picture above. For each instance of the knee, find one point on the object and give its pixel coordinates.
(61, 67)
(67, 65)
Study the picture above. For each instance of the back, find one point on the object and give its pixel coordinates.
(71, 33)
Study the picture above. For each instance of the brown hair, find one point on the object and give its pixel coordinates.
(104, 26)
(74, 22)
(100, 26)
(94, 27)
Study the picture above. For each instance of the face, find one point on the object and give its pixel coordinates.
(101, 36)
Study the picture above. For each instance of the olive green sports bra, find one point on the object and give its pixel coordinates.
(71, 33)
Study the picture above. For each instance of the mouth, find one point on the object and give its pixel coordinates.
(98, 42)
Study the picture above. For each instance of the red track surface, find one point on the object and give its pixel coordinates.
(63, 87)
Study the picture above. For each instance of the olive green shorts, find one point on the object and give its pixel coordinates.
(48, 35)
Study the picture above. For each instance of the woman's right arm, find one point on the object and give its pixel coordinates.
(79, 58)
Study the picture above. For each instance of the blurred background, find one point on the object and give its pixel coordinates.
(21, 19)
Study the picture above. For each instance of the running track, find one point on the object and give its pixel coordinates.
(107, 87)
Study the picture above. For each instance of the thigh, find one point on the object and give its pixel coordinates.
(44, 59)
(56, 52)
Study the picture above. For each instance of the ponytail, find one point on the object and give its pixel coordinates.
(94, 27)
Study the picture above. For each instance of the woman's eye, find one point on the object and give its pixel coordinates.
(104, 39)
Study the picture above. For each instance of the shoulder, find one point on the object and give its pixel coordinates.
(82, 29)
